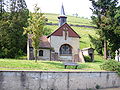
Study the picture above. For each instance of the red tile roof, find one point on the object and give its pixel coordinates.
(59, 31)
(44, 41)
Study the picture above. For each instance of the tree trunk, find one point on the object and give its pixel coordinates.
(105, 49)
(35, 53)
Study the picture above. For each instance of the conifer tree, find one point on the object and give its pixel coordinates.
(104, 16)
(13, 18)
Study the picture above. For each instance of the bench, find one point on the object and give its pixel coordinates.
(70, 64)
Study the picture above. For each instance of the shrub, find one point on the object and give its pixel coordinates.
(111, 65)
(97, 86)
(87, 59)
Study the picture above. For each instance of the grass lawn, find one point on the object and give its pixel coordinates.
(14, 64)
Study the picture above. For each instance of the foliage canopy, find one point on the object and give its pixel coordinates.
(106, 15)
(13, 17)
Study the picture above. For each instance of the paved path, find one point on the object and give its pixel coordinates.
(111, 89)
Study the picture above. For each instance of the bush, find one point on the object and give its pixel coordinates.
(97, 86)
(87, 59)
(111, 65)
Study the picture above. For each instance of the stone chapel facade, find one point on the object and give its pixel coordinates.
(63, 44)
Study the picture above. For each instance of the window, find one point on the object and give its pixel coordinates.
(65, 49)
(41, 53)
(31, 49)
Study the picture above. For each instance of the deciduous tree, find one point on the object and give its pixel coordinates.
(36, 28)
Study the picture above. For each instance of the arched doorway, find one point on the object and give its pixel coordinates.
(65, 50)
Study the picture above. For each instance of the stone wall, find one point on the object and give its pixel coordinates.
(46, 54)
(43, 80)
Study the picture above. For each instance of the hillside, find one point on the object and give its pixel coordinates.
(82, 31)
(53, 18)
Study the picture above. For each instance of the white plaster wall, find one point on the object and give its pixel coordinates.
(57, 41)
(85, 52)
(46, 54)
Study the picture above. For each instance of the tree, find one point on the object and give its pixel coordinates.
(98, 43)
(12, 21)
(104, 16)
(46, 31)
(36, 28)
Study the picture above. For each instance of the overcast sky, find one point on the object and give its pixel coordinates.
(82, 7)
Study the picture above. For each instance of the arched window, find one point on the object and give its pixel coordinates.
(41, 53)
(65, 50)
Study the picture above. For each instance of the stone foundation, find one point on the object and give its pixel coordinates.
(46, 80)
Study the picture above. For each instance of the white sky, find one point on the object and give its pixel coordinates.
(82, 7)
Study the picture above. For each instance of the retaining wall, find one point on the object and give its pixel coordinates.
(50, 80)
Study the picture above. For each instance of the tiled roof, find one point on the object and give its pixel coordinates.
(59, 31)
(44, 43)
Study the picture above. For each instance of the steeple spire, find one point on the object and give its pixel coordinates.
(62, 11)
(62, 18)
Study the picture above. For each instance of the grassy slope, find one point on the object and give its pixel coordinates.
(53, 18)
(12, 64)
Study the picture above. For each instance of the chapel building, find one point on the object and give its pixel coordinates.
(62, 45)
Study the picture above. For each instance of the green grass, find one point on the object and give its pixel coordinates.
(14, 64)
(53, 18)
(84, 34)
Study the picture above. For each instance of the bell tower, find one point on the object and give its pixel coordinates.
(62, 17)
